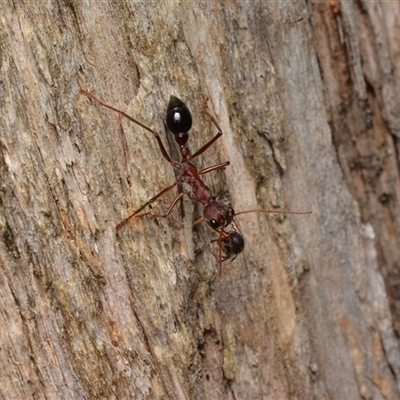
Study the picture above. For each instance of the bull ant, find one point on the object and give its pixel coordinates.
(216, 214)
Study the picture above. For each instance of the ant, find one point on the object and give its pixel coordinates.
(216, 214)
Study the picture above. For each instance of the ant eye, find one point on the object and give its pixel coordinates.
(213, 223)
(178, 119)
(232, 211)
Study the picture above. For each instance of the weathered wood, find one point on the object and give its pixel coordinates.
(308, 99)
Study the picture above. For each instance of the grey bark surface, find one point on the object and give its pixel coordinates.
(307, 95)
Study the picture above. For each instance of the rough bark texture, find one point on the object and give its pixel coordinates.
(307, 95)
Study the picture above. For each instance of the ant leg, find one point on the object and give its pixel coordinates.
(205, 147)
(222, 234)
(204, 110)
(156, 135)
(220, 256)
(214, 168)
(198, 221)
(215, 138)
(165, 190)
(172, 205)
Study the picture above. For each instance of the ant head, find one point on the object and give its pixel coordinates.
(179, 119)
(233, 244)
(218, 215)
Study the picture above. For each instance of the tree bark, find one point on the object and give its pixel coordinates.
(307, 96)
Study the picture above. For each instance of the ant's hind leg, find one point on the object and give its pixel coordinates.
(214, 168)
(135, 121)
(204, 110)
(209, 143)
(214, 139)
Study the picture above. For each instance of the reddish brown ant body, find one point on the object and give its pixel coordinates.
(218, 215)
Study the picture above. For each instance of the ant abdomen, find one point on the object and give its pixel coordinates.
(179, 119)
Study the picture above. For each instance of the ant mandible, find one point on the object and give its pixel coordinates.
(217, 215)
